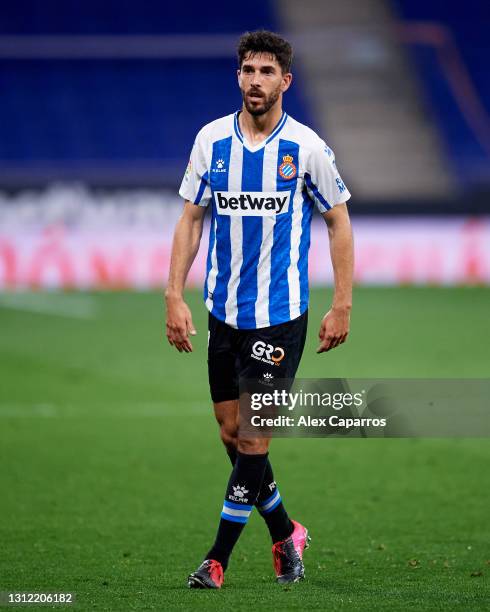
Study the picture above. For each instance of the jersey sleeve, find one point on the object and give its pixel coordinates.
(195, 185)
(323, 181)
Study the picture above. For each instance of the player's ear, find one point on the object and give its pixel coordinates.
(287, 79)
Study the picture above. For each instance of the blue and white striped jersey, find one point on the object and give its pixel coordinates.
(262, 200)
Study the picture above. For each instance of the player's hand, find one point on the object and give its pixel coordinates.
(179, 324)
(334, 329)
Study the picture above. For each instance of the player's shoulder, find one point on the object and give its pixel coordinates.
(216, 130)
(306, 137)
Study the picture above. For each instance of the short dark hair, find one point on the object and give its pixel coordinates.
(263, 41)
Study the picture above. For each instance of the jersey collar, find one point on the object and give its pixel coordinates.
(261, 144)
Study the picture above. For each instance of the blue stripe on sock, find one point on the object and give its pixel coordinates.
(269, 499)
(238, 506)
(234, 519)
(279, 500)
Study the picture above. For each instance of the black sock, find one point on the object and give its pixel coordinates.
(271, 508)
(232, 453)
(275, 515)
(241, 495)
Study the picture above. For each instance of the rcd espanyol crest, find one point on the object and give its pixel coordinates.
(287, 169)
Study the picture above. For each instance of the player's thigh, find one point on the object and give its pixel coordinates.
(222, 361)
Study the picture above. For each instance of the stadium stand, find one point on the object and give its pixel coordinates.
(450, 48)
(113, 93)
(102, 113)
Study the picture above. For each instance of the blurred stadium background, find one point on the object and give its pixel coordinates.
(100, 104)
(101, 423)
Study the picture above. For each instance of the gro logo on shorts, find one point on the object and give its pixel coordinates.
(267, 353)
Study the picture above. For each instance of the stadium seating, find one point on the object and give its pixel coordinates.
(77, 112)
(452, 61)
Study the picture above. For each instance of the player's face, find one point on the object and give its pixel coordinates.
(261, 82)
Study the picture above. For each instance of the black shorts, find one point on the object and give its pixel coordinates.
(252, 354)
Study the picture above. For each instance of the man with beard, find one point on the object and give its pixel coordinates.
(263, 173)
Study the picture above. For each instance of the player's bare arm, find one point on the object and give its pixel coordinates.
(185, 245)
(334, 327)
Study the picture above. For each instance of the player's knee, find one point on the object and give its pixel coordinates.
(253, 446)
(228, 434)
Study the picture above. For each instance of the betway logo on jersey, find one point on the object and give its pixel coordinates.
(252, 203)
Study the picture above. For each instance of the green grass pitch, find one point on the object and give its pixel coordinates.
(112, 475)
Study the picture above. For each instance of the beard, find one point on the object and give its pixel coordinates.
(256, 108)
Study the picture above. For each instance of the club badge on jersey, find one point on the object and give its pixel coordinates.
(287, 169)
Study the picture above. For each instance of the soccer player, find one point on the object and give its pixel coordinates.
(261, 173)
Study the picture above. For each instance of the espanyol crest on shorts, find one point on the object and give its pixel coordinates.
(287, 169)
